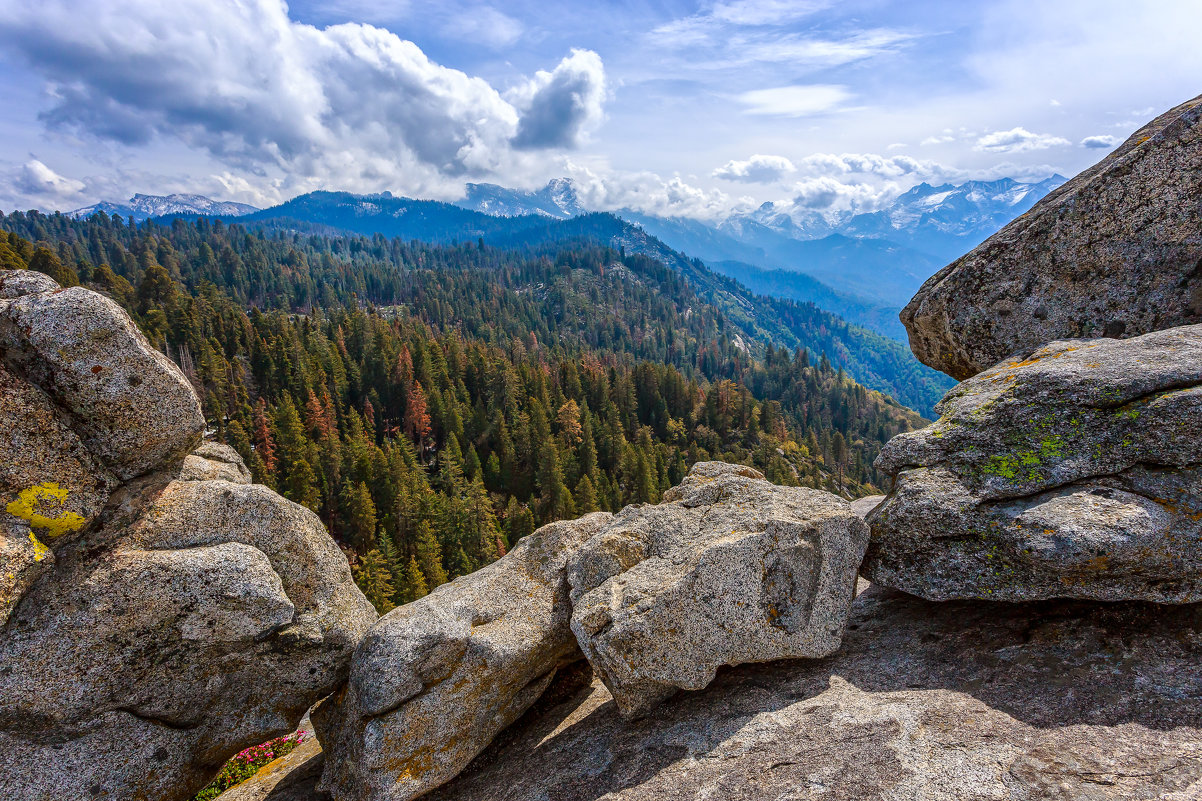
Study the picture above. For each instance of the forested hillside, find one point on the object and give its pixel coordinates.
(872, 359)
(435, 403)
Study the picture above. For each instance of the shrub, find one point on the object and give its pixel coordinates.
(246, 763)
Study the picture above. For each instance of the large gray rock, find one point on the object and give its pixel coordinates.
(1117, 251)
(435, 680)
(131, 406)
(213, 461)
(729, 569)
(1072, 473)
(924, 701)
(150, 627)
(210, 624)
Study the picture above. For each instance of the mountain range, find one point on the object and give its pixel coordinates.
(858, 267)
(143, 207)
(862, 266)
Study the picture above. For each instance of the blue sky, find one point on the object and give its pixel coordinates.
(670, 107)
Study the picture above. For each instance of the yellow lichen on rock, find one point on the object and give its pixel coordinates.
(26, 507)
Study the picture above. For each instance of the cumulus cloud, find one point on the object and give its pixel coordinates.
(1100, 142)
(559, 106)
(603, 189)
(872, 164)
(350, 104)
(826, 194)
(36, 179)
(794, 101)
(758, 169)
(1018, 140)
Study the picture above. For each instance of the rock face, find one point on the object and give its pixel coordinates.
(435, 680)
(925, 701)
(729, 569)
(1073, 473)
(152, 622)
(1117, 251)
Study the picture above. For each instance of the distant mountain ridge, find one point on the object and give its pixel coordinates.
(873, 360)
(558, 199)
(143, 207)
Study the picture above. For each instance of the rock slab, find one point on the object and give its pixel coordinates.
(925, 701)
(1074, 473)
(434, 681)
(729, 569)
(1115, 252)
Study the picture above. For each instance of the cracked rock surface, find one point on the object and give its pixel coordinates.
(1115, 252)
(729, 569)
(924, 701)
(158, 613)
(1075, 472)
(1055, 700)
(434, 681)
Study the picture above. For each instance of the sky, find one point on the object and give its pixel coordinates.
(678, 108)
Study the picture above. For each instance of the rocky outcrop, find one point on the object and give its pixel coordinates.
(1115, 252)
(729, 569)
(1053, 700)
(1076, 472)
(435, 680)
(213, 461)
(159, 621)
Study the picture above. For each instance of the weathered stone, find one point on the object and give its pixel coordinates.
(210, 624)
(925, 701)
(131, 406)
(434, 681)
(15, 283)
(46, 473)
(23, 558)
(862, 506)
(1076, 472)
(214, 461)
(729, 569)
(1115, 252)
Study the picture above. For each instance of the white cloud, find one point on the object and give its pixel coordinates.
(871, 164)
(805, 49)
(485, 25)
(560, 106)
(794, 101)
(1018, 140)
(1102, 141)
(826, 194)
(758, 169)
(350, 105)
(606, 190)
(766, 12)
(35, 178)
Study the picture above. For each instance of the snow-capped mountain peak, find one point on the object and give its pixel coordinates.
(558, 199)
(143, 207)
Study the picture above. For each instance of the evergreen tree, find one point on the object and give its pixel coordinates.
(413, 583)
(374, 579)
(429, 556)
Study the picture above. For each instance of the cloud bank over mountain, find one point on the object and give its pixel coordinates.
(694, 108)
(346, 104)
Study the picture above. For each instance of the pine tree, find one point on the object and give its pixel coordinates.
(360, 513)
(586, 496)
(301, 486)
(412, 584)
(429, 555)
(373, 577)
